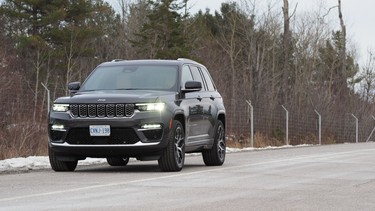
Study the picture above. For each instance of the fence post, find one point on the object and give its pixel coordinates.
(356, 128)
(251, 123)
(319, 127)
(286, 125)
(48, 96)
(371, 131)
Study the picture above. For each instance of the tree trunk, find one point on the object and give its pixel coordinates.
(343, 75)
(286, 52)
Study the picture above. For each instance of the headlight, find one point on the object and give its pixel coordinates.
(60, 107)
(150, 106)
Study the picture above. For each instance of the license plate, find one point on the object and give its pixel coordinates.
(100, 130)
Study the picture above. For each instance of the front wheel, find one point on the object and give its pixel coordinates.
(216, 155)
(173, 157)
(58, 165)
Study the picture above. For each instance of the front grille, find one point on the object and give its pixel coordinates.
(118, 136)
(101, 110)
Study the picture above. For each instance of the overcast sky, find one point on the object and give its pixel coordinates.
(358, 16)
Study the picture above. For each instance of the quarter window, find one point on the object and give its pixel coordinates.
(207, 77)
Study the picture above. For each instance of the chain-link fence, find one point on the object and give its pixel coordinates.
(23, 124)
(278, 125)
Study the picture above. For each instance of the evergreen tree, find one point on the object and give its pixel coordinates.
(32, 21)
(162, 36)
(57, 36)
(330, 74)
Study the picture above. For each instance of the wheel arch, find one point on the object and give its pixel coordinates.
(221, 117)
(181, 118)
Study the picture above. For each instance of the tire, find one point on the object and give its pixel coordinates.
(216, 155)
(58, 165)
(173, 157)
(118, 161)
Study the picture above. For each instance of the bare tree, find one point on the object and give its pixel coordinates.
(124, 9)
(368, 77)
(342, 48)
(39, 64)
(71, 63)
(230, 44)
(286, 50)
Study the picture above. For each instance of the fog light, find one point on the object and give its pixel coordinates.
(151, 126)
(58, 127)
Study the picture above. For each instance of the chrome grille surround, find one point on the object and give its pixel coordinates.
(101, 110)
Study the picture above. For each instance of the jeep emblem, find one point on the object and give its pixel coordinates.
(101, 100)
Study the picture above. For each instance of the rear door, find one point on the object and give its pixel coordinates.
(192, 106)
(206, 106)
(210, 97)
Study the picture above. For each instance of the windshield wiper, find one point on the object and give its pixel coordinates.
(128, 89)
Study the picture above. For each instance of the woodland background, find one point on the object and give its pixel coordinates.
(271, 57)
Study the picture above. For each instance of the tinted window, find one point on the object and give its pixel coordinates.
(207, 77)
(134, 77)
(186, 75)
(197, 76)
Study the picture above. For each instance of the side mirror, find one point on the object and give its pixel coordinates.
(74, 87)
(192, 86)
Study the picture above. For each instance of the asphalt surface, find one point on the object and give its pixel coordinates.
(332, 177)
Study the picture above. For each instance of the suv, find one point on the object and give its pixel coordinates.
(147, 109)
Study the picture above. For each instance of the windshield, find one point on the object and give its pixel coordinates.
(134, 77)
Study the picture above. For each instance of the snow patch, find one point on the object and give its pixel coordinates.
(42, 162)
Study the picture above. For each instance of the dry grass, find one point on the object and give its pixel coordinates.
(262, 140)
(330, 139)
(22, 140)
(306, 139)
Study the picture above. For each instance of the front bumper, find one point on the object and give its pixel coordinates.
(70, 137)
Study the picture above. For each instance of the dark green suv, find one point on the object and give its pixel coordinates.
(147, 109)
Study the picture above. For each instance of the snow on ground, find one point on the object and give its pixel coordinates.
(42, 162)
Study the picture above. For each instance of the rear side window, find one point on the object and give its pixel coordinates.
(197, 76)
(185, 76)
(207, 77)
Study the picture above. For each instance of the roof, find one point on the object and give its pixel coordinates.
(120, 62)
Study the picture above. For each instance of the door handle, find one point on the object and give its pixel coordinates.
(212, 98)
(199, 98)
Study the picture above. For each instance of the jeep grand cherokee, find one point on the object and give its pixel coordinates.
(147, 109)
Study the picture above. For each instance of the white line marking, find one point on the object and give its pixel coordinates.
(327, 155)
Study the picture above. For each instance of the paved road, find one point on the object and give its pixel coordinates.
(334, 177)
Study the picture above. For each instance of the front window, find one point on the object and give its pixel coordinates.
(132, 77)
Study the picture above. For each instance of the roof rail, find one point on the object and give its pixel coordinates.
(117, 60)
(185, 59)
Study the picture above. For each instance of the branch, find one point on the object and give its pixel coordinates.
(329, 10)
(294, 11)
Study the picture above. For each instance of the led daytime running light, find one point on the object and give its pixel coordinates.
(151, 106)
(60, 107)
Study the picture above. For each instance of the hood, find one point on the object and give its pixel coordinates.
(116, 96)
